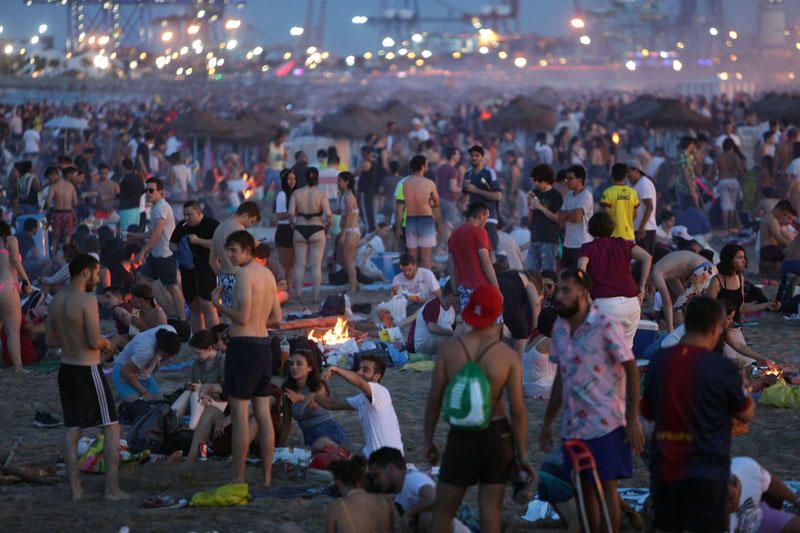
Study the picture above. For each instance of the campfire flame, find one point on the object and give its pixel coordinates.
(773, 371)
(339, 334)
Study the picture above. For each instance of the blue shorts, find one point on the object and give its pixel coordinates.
(126, 391)
(163, 269)
(330, 429)
(420, 232)
(612, 455)
(464, 294)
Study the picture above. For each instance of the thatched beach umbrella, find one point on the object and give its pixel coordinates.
(779, 106)
(522, 113)
(664, 113)
(196, 123)
(353, 121)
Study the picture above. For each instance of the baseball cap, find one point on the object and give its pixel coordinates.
(682, 232)
(483, 308)
(476, 148)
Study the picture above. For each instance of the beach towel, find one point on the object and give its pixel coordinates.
(420, 366)
(224, 496)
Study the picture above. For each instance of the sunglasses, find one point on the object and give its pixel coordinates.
(150, 191)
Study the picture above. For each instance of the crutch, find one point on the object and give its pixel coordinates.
(583, 460)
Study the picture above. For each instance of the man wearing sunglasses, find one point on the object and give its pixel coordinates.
(160, 264)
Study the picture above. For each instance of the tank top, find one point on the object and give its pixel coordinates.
(309, 417)
(734, 296)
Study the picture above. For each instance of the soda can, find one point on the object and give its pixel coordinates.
(203, 451)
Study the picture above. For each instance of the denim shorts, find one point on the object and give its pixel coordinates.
(125, 390)
(420, 232)
(330, 429)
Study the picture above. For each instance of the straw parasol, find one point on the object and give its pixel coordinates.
(196, 123)
(779, 106)
(353, 121)
(522, 113)
(665, 113)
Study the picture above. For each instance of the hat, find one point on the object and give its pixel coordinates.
(634, 164)
(476, 148)
(682, 232)
(485, 305)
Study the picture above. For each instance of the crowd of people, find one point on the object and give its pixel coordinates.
(526, 264)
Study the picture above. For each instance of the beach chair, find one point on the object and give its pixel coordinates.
(583, 461)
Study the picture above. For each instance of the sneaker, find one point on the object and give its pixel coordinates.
(45, 420)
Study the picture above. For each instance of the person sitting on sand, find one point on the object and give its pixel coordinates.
(415, 490)
(113, 299)
(317, 424)
(373, 403)
(146, 312)
(755, 499)
(435, 321)
(773, 238)
(205, 384)
(357, 511)
(133, 369)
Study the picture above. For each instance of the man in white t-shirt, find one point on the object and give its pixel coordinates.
(416, 283)
(577, 209)
(160, 264)
(728, 131)
(373, 404)
(749, 513)
(415, 490)
(644, 221)
(435, 321)
(134, 366)
(30, 143)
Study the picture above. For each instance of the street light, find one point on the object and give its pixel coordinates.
(520, 62)
(359, 19)
(350, 60)
(296, 31)
(677, 66)
(417, 37)
(577, 23)
(585, 40)
(733, 34)
(387, 42)
(42, 28)
(167, 36)
(9, 49)
(713, 31)
(35, 39)
(193, 29)
(630, 65)
(232, 24)
(230, 45)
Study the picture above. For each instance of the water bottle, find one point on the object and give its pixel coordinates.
(284, 352)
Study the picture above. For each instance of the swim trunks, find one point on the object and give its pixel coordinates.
(86, 398)
(248, 367)
(697, 284)
(484, 456)
(420, 232)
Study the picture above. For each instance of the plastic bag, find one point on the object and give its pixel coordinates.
(781, 394)
(224, 496)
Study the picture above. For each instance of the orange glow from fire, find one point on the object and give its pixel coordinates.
(339, 334)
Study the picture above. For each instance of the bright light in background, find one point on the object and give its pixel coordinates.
(679, 45)
(287, 55)
(1, 29)
(35, 39)
(502, 54)
(133, 64)
(9, 49)
(103, 40)
(100, 61)
(723, 76)
(426, 54)
(387, 42)
(311, 49)
(201, 13)
(184, 50)
(417, 37)
(233, 43)
(585, 40)
(677, 66)
(456, 55)
(615, 137)
(265, 68)
(487, 36)
(577, 23)
(167, 36)
(193, 29)
(296, 31)
(350, 60)
(520, 62)
(42, 28)
(713, 31)
(483, 49)
(630, 65)
(367, 55)
(733, 34)
(258, 50)
(232, 24)
(359, 19)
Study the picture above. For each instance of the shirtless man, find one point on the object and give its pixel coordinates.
(248, 362)
(773, 238)
(246, 215)
(423, 218)
(107, 192)
(689, 269)
(484, 456)
(73, 324)
(62, 200)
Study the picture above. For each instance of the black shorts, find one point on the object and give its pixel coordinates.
(491, 229)
(691, 505)
(198, 282)
(649, 241)
(163, 269)
(248, 367)
(484, 456)
(86, 398)
(284, 236)
(569, 257)
(516, 317)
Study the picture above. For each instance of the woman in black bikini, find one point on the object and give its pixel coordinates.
(728, 285)
(284, 236)
(306, 209)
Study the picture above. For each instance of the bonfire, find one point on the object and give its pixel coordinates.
(339, 334)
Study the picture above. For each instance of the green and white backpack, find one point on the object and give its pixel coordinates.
(467, 398)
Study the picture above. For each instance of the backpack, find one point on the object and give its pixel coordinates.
(467, 398)
(152, 430)
(333, 305)
(183, 255)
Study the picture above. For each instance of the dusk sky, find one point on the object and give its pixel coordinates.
(273, 18)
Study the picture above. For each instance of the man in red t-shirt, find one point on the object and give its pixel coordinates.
(470, 262)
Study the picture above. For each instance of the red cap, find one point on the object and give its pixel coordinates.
(485, 305)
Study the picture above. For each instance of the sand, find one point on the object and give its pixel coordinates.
(773, 440)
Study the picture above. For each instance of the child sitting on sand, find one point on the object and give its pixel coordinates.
(205, 384)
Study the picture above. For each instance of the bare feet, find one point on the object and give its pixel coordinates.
(77, 495)
(117, 495)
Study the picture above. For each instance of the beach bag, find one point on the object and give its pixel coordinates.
(183, 255)
(333, 305)
(34, 306)
(326, 455)
(467, 399)
(224, 496)
(152, 430)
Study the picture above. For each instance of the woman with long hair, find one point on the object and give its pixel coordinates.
(311, 217)
(284, 238)
(11, 270)
(728, 285)
(303, 377)
(350, 236)
(357, 511)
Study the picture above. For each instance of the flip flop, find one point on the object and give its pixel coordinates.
(164, 502)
